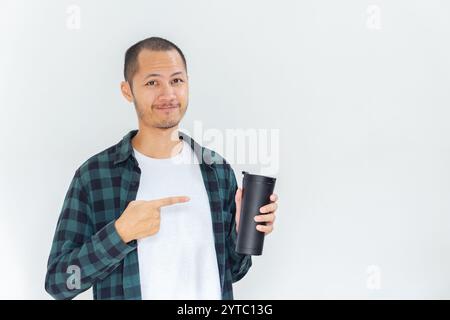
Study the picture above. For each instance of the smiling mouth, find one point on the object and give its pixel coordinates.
(166, 108)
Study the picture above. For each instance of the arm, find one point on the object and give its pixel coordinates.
(76, 247)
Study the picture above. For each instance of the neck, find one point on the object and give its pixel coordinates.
(156, 142)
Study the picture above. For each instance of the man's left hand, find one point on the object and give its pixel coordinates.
(267, 213)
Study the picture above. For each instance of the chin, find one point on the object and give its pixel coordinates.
(167, 125)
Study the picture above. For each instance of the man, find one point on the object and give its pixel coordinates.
(139, 222)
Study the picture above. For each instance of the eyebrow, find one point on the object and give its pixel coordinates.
(158, 75)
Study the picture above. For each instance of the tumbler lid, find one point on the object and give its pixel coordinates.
(258, 178)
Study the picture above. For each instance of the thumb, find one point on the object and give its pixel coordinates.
(238, 196)
(238, 200)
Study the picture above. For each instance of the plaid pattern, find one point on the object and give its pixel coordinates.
(86, 237)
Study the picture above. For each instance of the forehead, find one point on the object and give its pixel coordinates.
(161, 62)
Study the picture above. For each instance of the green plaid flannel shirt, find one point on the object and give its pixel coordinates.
(86, 239)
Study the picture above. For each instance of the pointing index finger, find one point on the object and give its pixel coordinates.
(171, 200)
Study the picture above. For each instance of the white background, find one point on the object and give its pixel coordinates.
(359, 91)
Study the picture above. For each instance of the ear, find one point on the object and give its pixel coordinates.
(126, 91)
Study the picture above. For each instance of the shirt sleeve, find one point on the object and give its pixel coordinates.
(240, 263)
(79, 256)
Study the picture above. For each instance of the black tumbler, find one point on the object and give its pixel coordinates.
(256, 191)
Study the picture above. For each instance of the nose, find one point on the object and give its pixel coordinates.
(167, 93)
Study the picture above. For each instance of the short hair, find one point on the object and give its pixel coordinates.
(153, 43)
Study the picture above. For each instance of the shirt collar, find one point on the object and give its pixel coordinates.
(124, 149)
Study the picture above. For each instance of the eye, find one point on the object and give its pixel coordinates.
(150, 83)
(178, 80)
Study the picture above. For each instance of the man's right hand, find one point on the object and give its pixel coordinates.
(142, 218)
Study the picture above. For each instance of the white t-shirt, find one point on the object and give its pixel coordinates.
(179, 261)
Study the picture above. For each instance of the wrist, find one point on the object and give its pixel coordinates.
(121, 231)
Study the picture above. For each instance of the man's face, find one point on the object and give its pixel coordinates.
(159, 89)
